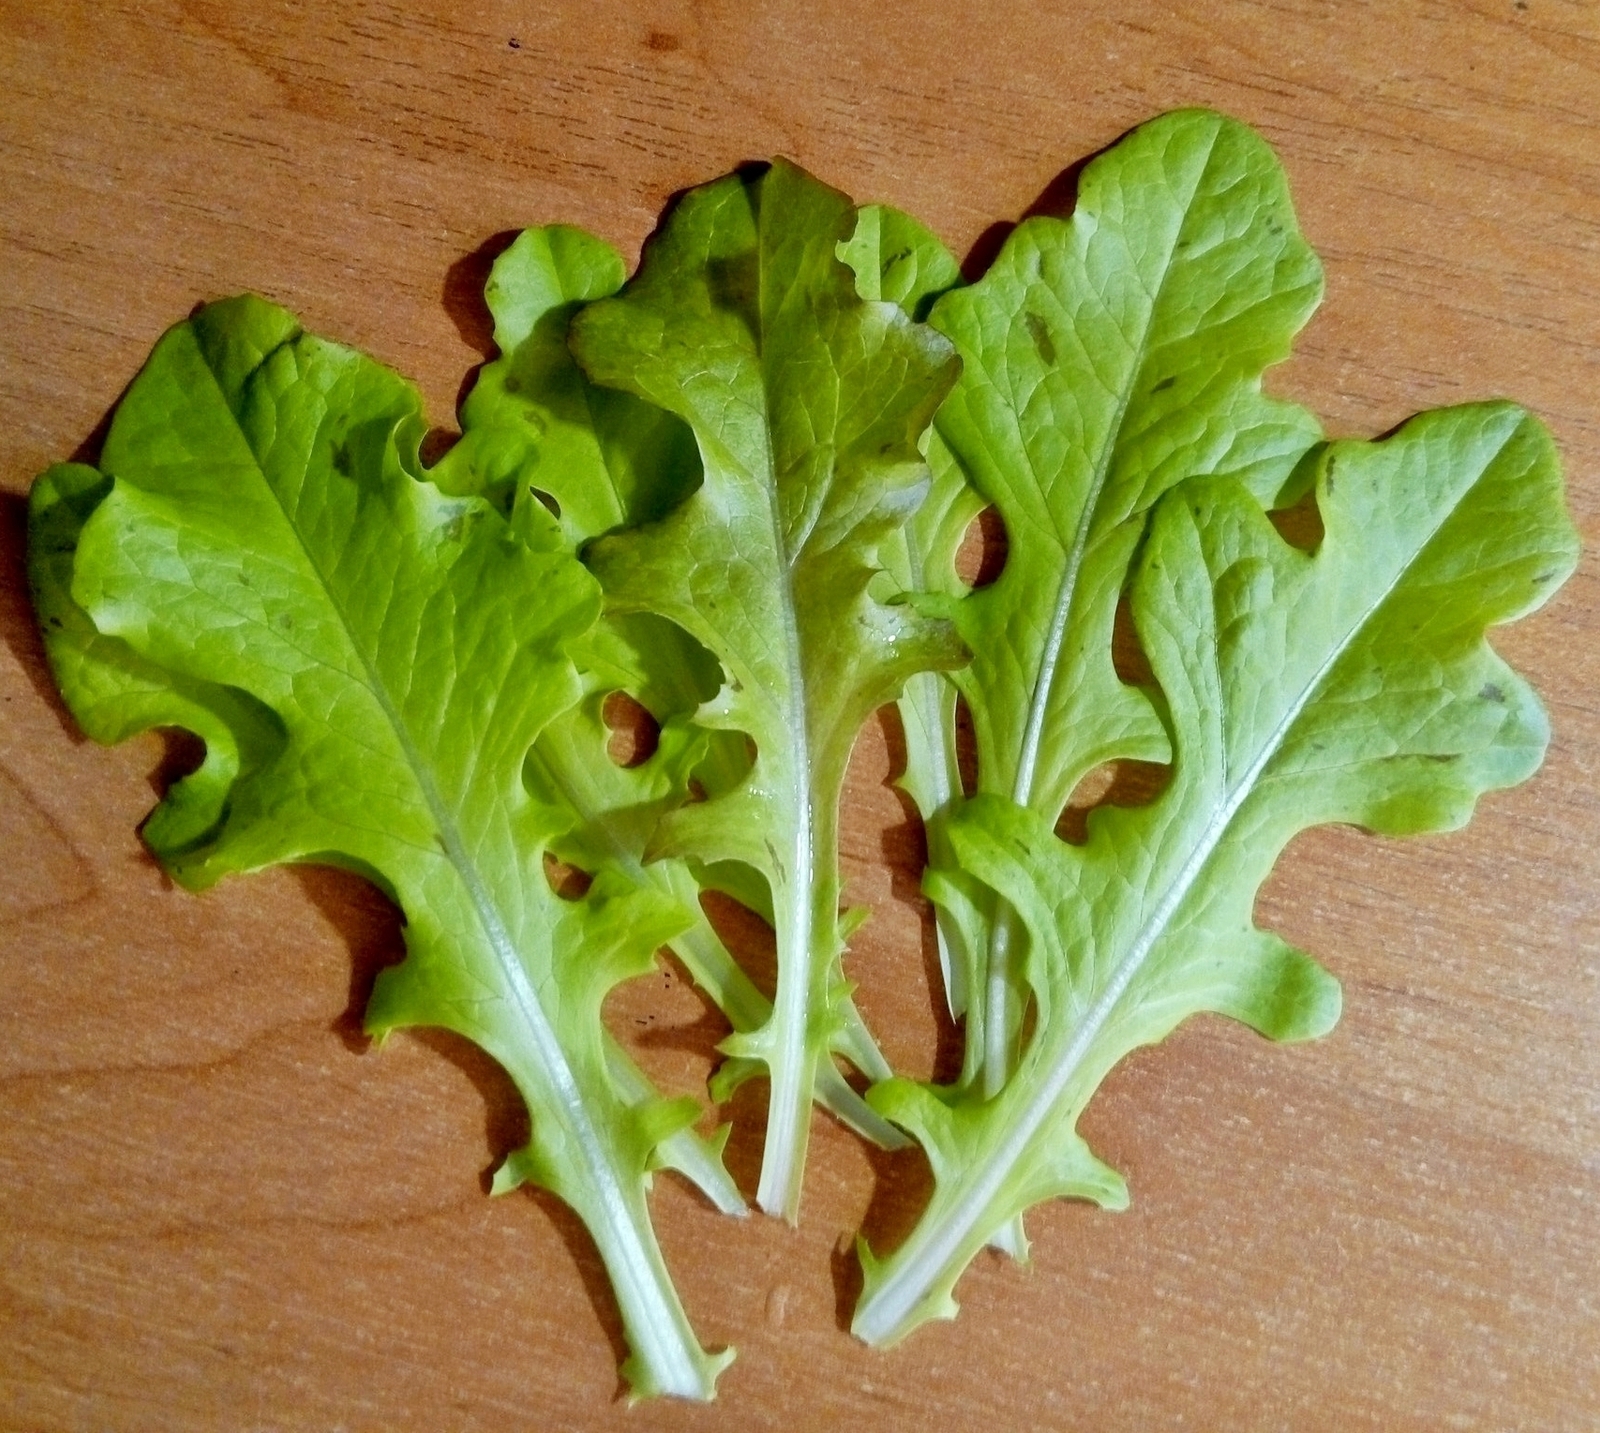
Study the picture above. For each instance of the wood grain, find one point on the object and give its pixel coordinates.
(218, 1211)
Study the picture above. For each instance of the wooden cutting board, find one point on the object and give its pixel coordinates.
(218, 1210)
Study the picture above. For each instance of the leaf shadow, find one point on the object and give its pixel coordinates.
(698, 1037)
(462, 294)
(749, 939)
(88, 451)
(462, 299)
(19, 628)
(746, 1114)
(904, 849)
(902, 1183)
(370, 926)
(1056, 200)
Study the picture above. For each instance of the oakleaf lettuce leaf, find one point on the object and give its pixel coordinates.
(114, 693)
(538, 435)
(808, 404)
(370, 661)
(1105, 357)
(1353, 685)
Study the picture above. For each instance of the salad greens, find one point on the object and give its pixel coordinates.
(1354, 685)
(370, 661)
(808, 403)
(1105, 357)
(535, 430)
(732, 488)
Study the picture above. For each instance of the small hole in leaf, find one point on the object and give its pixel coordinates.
(1112, 783)
(566, 881)
(436, 442)
(1127, 652)
(635, 734)
(1301, 525)
(982, 554)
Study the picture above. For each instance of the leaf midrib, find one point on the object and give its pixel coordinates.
(793, 997)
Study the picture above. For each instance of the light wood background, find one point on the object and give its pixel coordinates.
(219, 1212)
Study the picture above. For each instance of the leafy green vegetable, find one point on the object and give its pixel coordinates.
(406, 672)
(807, 403)
(1354, 685)
(114, 693)
(370, 661)
(532, 420)
(1105, 358)
(534, 425)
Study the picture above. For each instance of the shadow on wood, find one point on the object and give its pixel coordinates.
(464, 304)
(462, 296)
(905, 854)
(902, 1184)
(18, 627)
(699, 1037)
(1056, 200)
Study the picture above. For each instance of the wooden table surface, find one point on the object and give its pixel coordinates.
(219, 1211)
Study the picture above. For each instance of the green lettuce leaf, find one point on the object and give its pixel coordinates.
(369, 661)
(1354, 686)
(535, 429)
(807, 403)
(116, 693)
(533, 423)
(1105, 357)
